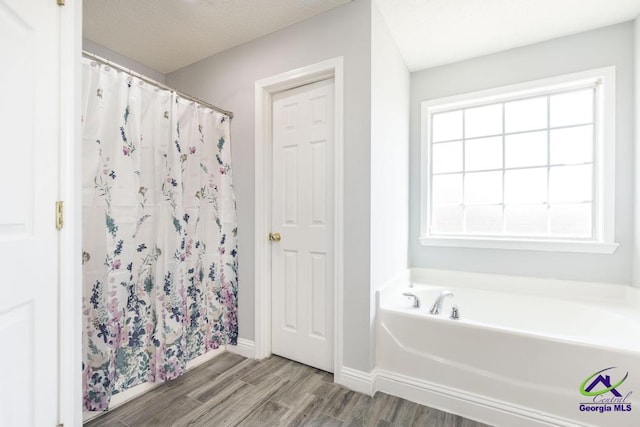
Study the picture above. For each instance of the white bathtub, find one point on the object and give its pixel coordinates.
(519, 352)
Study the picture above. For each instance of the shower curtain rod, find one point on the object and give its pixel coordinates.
(155, 83)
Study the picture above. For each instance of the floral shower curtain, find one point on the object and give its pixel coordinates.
(159, 225)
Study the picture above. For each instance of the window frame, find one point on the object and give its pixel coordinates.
(603, 219)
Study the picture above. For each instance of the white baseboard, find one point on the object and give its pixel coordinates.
(475, 407)
(356, 380)
(245, 348)
(211, 354)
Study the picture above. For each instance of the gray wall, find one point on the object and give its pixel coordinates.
(603, 47)
(125, 61)
(227, 80)
(390, 82)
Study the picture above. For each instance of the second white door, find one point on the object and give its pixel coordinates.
(302, 214)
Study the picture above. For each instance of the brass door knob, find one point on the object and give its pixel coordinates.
(274, 237)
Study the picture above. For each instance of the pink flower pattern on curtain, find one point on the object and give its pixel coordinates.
(159, 233)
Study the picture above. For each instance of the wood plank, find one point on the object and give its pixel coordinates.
(208, 390)
(134, 413)
(340, 404)
(302, 380)
(322, 420)
(235, 406)
(403, 412)
(224, 362)
(266, 370)
(193, 376)
(105, 421)
(325, 390)
(308, 409)
(426, 416)
(360, 415)
(269, 414)
(220, 403)
(175, 412)
(382, 406)
(184, 385)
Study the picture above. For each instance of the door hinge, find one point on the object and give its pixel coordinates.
(60, 425)
(59, 215)
(61, 2)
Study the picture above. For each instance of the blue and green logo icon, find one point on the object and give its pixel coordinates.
(605, 392)
(605, 380)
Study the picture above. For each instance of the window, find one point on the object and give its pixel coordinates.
(529, 166)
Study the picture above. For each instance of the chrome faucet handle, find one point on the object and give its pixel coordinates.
(416, 300)
(455, 313)
(437, 305)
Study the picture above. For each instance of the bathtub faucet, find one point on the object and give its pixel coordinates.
(437, 306)
(416, 300)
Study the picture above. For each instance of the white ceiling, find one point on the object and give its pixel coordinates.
(436, 32)
(170, 34)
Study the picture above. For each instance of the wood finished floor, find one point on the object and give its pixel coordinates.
(231, 390)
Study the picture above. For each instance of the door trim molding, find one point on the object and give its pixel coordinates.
(70, 237)
(264, 91)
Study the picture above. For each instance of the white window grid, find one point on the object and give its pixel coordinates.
(547, 94)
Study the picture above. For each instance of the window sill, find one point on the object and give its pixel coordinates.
(591, 247)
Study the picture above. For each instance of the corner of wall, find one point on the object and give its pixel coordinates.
(389, 209)
(356, 380)
(125, 61)
(244, 348)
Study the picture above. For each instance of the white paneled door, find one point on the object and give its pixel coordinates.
(29, 141)
(302, 224)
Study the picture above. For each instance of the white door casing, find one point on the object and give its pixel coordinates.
(29, 144)
(265, 89)
(302, 213)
